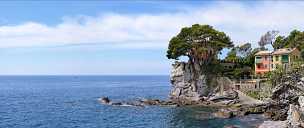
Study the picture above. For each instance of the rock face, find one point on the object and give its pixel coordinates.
(190, 86)
(184, 86)
(295, 117)
(289, 99)
(290, 88)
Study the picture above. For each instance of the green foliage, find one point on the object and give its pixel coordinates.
(253, 94)
(177, 48)
(243, 56)
(294, 40)
(231, 56)
(280, 42)
(198, 41)
(274, 76)
(249, 60)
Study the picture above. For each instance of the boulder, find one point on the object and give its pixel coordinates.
(226, 95)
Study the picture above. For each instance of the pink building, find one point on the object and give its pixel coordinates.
(263, 62)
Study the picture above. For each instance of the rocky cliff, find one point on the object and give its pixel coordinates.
(290, 87)
(289, 94)
(184, 86)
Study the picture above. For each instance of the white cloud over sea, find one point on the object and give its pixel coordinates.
(243, 22)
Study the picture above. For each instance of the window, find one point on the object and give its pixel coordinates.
(259, 66)
(276, 58)
(285, 58)
(258, 59)
(265, 66)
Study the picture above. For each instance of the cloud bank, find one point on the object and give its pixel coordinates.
(243, 22)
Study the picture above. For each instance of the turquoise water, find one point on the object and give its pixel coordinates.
(71, 102)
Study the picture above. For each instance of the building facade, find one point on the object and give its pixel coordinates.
(263, 62)
(266, 61)
(285, 57)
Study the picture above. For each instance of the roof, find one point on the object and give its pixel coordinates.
(263, 53)
(283, 51)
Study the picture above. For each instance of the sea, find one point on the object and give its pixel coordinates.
(72, 102)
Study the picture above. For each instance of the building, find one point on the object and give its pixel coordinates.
(285, 57)
(266, 61)
(263, 62)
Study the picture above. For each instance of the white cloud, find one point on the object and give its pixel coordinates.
(242, 22)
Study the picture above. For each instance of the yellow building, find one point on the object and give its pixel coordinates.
(285, 57)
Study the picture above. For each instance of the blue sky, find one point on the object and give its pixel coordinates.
(122, 37)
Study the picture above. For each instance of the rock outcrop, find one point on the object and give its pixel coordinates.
(149, 102)
(295, 117)
(188, 87)
(290, 88)
(288, 96)
(184, 86)
(286, 93)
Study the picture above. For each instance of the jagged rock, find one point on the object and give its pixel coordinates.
(275, 111)
(295, 117)
(291, 86)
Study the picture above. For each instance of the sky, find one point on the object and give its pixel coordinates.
(52, 37)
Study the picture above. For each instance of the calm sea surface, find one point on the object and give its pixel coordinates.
(71, 102)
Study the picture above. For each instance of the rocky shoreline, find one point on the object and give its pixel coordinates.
(272, 111)
(285, 108)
